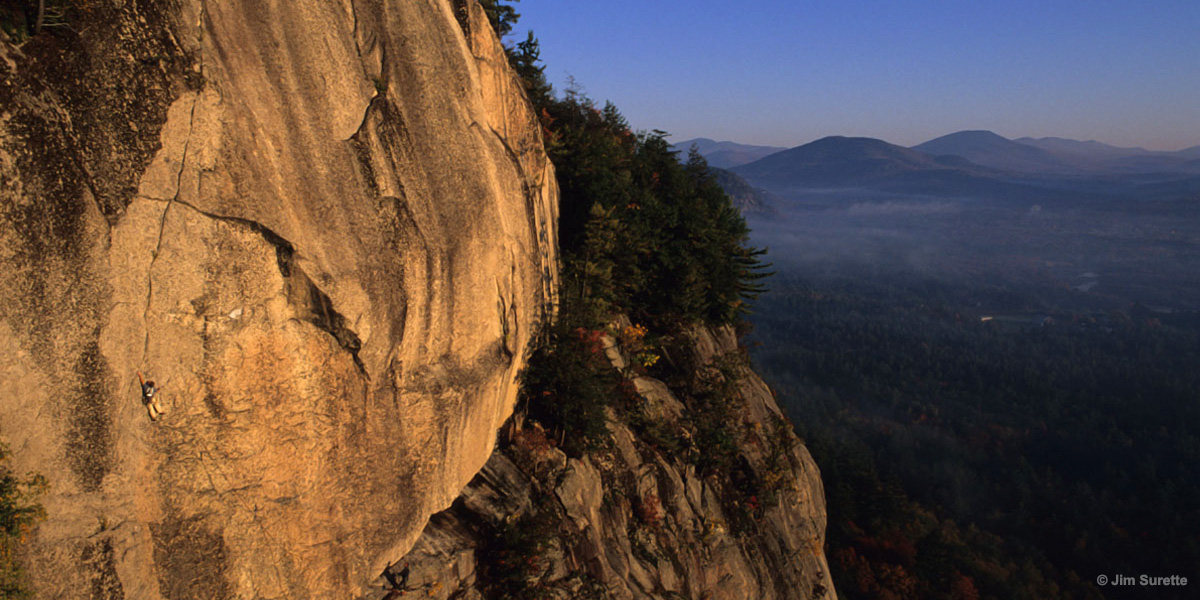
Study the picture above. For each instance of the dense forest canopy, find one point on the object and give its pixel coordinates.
(1015, 458)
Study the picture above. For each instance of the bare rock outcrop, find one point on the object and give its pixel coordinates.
(640, 520)
(324, 228)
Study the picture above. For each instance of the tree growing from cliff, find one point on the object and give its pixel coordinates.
(642, 233)
(19, 513)
(567, 384)
(639, 232)
(525, 59)
(501, 15)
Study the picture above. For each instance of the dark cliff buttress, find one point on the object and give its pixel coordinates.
(657, 513)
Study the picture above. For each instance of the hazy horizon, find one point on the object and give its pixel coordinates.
(675, 139)
(783, 73)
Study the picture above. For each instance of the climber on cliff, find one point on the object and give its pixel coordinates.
(397, 581)
(148, 392)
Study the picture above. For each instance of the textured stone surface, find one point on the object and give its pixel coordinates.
(325, 228)
(635, 522)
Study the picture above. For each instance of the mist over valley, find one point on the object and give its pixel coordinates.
(989, 347)
(1000, 213)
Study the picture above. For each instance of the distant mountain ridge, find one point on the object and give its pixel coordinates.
(840, 162)
(966, 164)
(1089, 149)
(1094, 149)
(725, 155)
(995, 151)
(981, 165)
(1057, 156)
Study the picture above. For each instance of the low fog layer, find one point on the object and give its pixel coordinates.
(1125, 256)
(893, 212)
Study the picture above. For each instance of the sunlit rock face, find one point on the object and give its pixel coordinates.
(324, 229)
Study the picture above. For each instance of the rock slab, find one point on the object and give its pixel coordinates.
(324, 229)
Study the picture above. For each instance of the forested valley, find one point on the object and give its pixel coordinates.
(972, 456)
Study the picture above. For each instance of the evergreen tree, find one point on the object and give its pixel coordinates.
(501, 15)
(525, 59)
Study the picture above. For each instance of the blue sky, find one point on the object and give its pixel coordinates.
(784, 73)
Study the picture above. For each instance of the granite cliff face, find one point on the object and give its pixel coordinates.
(638, 520)
(325, 229)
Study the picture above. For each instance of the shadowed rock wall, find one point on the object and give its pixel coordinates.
(635, 520)
(324, 228)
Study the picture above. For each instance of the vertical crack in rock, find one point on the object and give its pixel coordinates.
(507, 307)
(354, 32)
(380, 83)
(506, 333)
(162, 225)
(462, 13)
(530, 202)
(198, 80)
(531, 214)
(150, 281)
